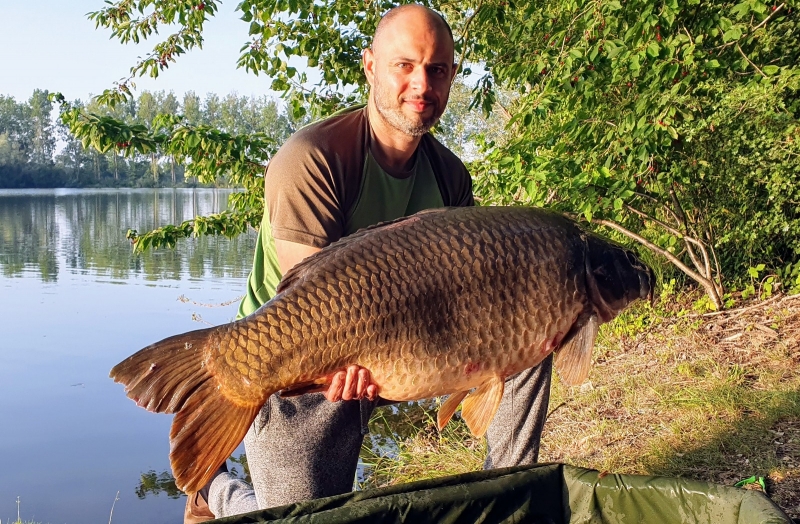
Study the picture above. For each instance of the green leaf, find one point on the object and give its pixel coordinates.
(734, 33)
(672, 132)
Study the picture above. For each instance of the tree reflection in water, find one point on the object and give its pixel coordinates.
(152, 483)
(83, 231)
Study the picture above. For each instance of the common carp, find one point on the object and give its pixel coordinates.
(445, 302)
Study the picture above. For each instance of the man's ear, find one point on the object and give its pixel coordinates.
(455, 71)
(368, 61)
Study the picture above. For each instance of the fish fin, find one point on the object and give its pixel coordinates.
(171, 377)
(480, 406)
(448, 408)
(204, 434)
(162, 376)
(301, 388)
(574, 357)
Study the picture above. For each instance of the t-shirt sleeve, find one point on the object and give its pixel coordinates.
(301, 195)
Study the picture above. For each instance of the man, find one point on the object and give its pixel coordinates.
(352, 170)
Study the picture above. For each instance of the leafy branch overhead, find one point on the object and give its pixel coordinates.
(671, 124)
(208, 154)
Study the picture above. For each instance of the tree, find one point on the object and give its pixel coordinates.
(41, 128)
(673, 124)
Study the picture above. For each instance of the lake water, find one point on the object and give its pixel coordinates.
(74, 301)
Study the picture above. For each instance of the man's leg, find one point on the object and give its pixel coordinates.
(297, 449)
(514, 433)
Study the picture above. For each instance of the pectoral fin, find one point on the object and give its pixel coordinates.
(480, 406)
(448, 408)
(574, 357)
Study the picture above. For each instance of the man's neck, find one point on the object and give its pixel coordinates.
(392, 149)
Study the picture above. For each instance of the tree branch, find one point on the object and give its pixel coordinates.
(738, 47)
(666, 226)
(465, 34)
(709, 285)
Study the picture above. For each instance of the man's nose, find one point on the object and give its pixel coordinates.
(419, 80)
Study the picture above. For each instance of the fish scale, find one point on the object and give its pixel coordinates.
(450, 301)
(322, 355)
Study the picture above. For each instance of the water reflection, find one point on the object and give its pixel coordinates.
(46, 232)
(74, 302)
(152, 483)
(156, 483)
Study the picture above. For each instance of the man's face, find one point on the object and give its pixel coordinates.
(410, 70)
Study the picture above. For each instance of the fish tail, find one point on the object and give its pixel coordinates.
(171, 377)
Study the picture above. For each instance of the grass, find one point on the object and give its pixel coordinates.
(424, 454)
(673, 391)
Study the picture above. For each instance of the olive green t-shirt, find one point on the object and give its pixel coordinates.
(324, 184)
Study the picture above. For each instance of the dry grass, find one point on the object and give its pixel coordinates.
(712, 397)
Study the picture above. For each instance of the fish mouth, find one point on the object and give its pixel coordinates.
(615, 278)
(647, 277)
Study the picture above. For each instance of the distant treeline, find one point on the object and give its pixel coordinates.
(36, 150)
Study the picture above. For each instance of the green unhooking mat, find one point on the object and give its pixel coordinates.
(544, 493)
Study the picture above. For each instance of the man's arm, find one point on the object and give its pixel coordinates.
(353, 383)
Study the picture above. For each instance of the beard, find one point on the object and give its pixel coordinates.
(392, 113)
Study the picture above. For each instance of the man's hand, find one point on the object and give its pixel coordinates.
(355, 383)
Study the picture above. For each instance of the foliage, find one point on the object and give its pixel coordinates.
(672, 123)
(29, 156)
(404, 446)
(207, 153)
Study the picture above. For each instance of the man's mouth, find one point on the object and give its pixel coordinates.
(418, 105)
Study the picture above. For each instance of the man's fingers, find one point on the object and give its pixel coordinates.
(350, 383)
(334, 392)
(353, 383)
(372, 392)
(363, 382)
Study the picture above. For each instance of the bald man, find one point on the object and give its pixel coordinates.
(354, 169)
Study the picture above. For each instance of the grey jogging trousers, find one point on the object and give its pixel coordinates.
(306, 447)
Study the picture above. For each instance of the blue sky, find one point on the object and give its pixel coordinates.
(51, 44)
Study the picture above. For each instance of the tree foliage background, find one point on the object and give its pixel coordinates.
(35, 151)
(673, 125)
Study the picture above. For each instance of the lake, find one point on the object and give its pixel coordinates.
(74, 301)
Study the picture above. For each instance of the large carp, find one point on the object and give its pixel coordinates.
(448, 301)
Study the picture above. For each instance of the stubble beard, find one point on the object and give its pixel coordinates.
(393, 114)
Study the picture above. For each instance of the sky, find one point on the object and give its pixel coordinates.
(51, 44)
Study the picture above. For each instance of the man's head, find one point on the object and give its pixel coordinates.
(410, 68)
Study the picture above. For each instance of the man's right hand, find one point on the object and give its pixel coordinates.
(354, 383)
